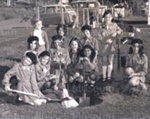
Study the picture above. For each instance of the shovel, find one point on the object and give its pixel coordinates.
(34, 95)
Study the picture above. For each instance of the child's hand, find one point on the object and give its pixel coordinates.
(85, 58)
(81, 58)
(119, 32)
(7, 87)
(109, 41)
(131, 34)
(54, 76)
(114, 34)
(76, 75)
(132, 75)
(45, 70)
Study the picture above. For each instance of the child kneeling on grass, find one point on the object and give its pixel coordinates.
(44, 78)
(88, 64)
(72, 69)
(25, 73)
(137, 64)
(59, 62)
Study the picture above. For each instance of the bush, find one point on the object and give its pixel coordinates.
(136, 6)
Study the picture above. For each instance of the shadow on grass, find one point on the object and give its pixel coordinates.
(3, 70)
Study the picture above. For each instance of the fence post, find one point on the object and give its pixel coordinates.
(83, 11)
(88, 19)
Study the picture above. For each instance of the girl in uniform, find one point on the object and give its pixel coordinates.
(88, 39)
(137, 64)
(32, 44)
(88, 65)
(44, 78)
(60, 60)
(74, 53)
(42, 35)
(25, 73)
(108, 33)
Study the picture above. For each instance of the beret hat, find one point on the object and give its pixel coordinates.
(33, 38)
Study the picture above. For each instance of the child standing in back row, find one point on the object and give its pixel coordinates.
(42, 35)
(89, 40)
(108, 33)
(32, 44)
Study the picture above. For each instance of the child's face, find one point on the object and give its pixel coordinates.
(108, 18)
(38, 25)
(26, 61)
(57, 43)
(87, 33)
(33, 45)
(87, 52)
(136, 47)
(61, 32)
(74, 45)
(44, 60)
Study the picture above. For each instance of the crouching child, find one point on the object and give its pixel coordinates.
(88, 64)
(25, 73)
(137, 64)
(44, 78)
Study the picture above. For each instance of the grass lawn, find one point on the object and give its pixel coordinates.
(115, 105)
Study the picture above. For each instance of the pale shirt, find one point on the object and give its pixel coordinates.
(38, 33)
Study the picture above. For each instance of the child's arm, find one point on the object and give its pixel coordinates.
(40, 74)
(144, 70)
(51, 76)
(96, 49)
(91, 64)
(8, 75)
(118, 29)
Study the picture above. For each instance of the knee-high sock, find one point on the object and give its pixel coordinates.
(104, 70)
(110, 68)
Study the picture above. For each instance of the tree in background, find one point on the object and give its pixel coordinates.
(135, 5)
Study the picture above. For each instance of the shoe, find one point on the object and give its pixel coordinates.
(104, 79)
(109, 78)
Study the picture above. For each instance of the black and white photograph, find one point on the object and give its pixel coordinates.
(74, 59)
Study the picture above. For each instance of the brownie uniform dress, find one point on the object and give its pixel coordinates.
(92, 42)
(106, 34)
(58, 55)
(26, 81)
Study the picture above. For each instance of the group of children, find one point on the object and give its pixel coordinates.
(60, 62)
